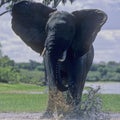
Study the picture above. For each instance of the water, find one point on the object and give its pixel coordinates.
(90, 108)
(106, 87)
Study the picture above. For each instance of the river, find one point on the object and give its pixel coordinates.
(106, 87)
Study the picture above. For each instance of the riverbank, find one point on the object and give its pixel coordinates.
(36, 116)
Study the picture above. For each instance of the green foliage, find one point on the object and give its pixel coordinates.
(31, 65)
(5, 61)
(9, 75)
(94, 76)
(104, 72)
(8, 72)
(11, 72)
(0, 51)
(55, 3)
(33, 72)
(9, 3)
(32, 77)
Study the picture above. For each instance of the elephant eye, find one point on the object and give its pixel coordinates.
(21, 5)
(25, 5)
(22, 8)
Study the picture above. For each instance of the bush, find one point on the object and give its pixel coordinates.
(94, 76)
(32, 77)
(9, 75)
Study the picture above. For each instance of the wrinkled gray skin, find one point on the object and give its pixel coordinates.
(67, 38)
(58, 41)
(75, 69)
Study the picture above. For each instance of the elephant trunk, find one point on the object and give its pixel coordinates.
(53, 72)
(60, 32)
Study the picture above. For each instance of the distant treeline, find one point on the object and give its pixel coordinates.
(11, 72)
(33, 72)
(104, 72)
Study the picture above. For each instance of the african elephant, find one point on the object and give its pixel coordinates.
(77, 69)
(64, 38)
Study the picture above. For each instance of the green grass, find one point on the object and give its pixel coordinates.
(11, 88)
(23, 102)
(111, 102)
(13, 99)
(17, 98)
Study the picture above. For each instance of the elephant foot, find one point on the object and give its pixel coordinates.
(47, 115)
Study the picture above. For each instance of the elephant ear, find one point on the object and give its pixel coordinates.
(28, 22)
(88, 24)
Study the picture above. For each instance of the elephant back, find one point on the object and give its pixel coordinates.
(88, 24)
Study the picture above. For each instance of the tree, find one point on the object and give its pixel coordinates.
(0, 51)
(8, 71)
(93, 76)
(5, 61)
(9, 3)
(55, 3)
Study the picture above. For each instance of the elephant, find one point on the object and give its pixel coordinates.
(78, 71)
(64, 39)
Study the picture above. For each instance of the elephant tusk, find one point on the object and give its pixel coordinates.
(63, 57)
(43, 52)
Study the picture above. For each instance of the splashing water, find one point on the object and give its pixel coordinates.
(90, 108)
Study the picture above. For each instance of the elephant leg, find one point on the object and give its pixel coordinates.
(56, 99)
(72, 74)
(78, 69)
(56, 103)
(84, 64)
(61, 105)
(50, 107)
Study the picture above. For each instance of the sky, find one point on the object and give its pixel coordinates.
(106, 45)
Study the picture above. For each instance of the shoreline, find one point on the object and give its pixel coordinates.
(36, 116)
